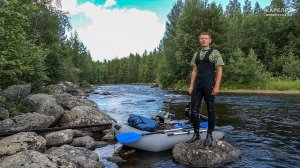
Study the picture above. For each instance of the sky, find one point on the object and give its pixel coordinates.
(115, 28)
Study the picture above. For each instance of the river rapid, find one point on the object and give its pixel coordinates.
(266, 127)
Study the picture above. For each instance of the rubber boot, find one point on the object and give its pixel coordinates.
(209, 139)
(196, 128)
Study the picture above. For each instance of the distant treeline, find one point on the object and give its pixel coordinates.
(256, 45)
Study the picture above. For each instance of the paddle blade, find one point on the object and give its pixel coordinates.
(128, 137)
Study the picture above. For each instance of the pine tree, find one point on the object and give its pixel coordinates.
(247, 9)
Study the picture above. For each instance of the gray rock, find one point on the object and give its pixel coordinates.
(26, 121)
(109, 137)
(79, 155)
(195, 155)
(106, 131)
(4, 114)
(88, 142)
(49, 107)
(34, 159)
(98, 144)
(67, 87)
(82, 141)
(116, 159)
(82, 115)
(16, 92)
(20, 142)
(59, 138)
(68, 101)
(45, 104)
(33, 101)
(82, 133)
(106, 93)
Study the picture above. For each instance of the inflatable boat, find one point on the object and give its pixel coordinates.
(159, 140)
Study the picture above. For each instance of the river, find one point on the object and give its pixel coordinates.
(266, 127)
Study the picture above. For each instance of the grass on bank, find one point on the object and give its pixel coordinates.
(271, 85)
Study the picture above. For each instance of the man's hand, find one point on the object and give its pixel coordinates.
(190, 90)
(215, 91)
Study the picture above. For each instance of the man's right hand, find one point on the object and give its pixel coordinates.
(190, 90)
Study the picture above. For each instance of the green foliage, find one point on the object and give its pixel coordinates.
(255, 47)
(16, 107)
(244, 70)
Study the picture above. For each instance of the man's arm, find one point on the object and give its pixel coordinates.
(193, 76)
(219, 72)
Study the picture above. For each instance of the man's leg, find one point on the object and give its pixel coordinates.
(210, 103)
(197, 97)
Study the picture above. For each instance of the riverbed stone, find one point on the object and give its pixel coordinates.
(69, 101)
(195, 155)
(34, 159)
(26, 121)
(16, 92)
(59, 138)
(79, 155)
(85, 115)
(20, 142)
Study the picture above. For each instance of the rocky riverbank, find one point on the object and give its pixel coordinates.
(60, 105)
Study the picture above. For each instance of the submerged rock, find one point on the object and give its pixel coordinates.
(34, 159)
(195, 155)
(79, 155)
(106, 93)
(20, 142)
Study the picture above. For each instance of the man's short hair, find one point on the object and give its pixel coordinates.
(205, 33)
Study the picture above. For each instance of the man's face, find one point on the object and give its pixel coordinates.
(205, 40)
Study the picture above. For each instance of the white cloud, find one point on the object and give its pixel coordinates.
(116, 32)
(109, 3)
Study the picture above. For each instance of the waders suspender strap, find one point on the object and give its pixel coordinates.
(206, 55)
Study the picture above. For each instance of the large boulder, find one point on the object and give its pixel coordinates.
(34, 159)
(79, 155)
(20, 142)
(34, 100)
(26, 121)
(195, 155)
(16, 92)
(68, 101)
(59, 138)
(45, 104)
(85, 115)
(67, 87)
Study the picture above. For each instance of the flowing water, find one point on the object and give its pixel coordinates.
(266, 127)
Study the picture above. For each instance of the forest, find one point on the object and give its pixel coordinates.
(260, 47)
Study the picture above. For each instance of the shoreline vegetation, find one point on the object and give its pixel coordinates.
(273, 87)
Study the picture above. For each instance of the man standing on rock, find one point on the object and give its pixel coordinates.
(205, 84)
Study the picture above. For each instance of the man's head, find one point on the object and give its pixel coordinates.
(205, 39)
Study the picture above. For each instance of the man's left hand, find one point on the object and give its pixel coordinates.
(215, 91)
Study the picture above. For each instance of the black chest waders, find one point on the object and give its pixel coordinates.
(203, 86)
